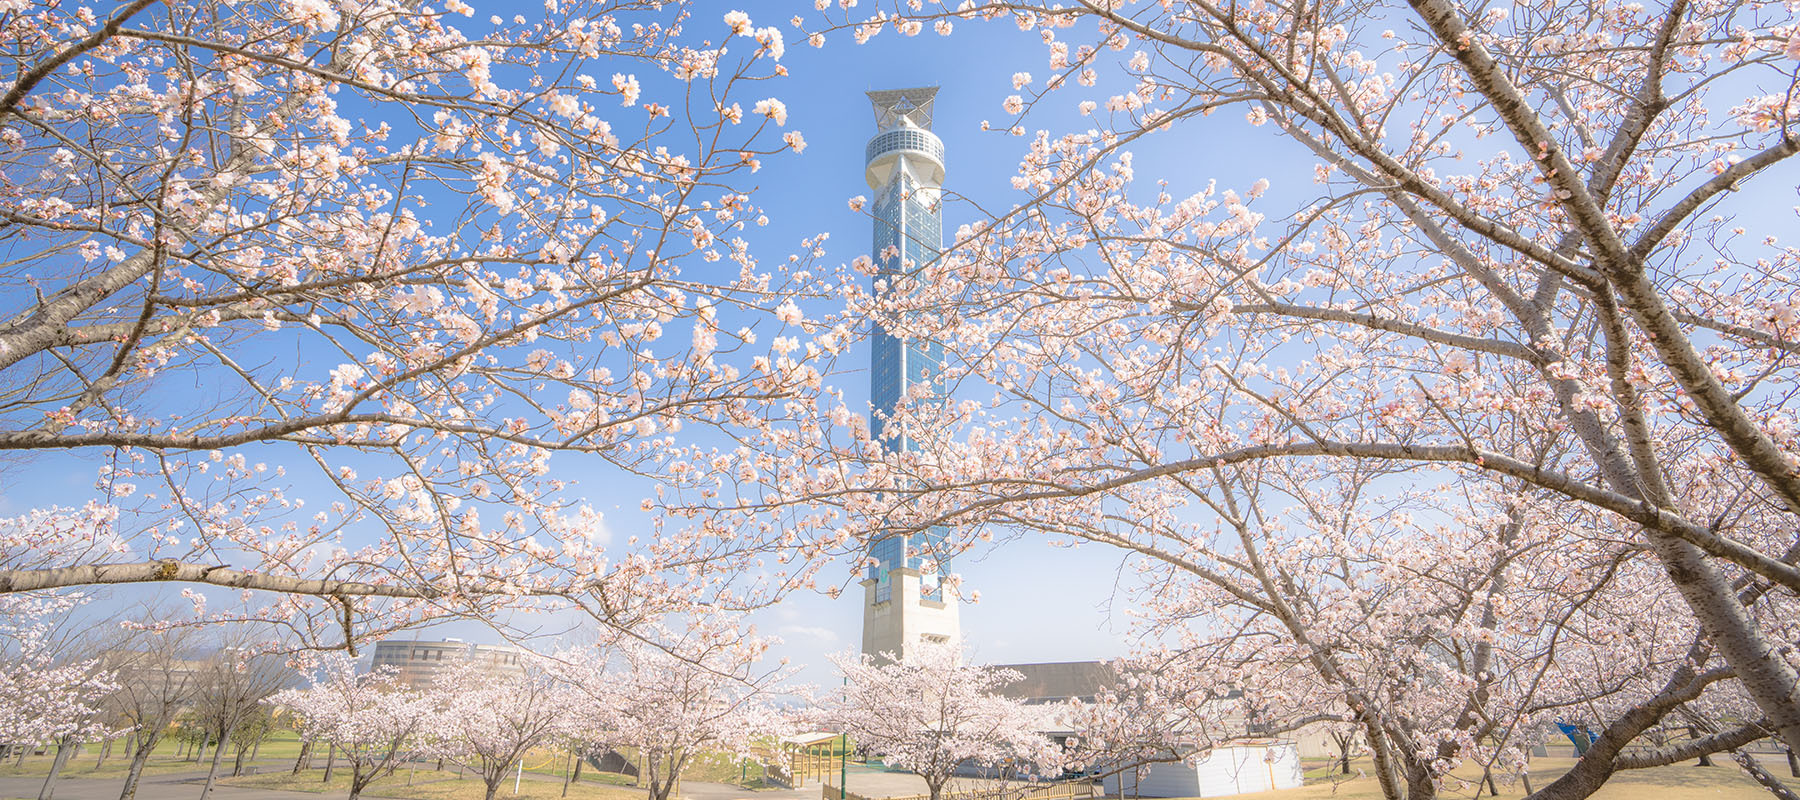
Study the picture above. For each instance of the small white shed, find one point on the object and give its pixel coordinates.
(1246, 765)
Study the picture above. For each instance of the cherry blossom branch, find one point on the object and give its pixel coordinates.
(1728, 180)
(30, 580)
(1762, 776)
(30, 79)
(1619, 262)
(1497, 347)
(1720, 742)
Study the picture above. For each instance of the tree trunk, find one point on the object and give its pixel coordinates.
(23, 749)
(236, 768)
(1768, 678)
(139, 756)
(63, 751)
(330, 761)
(305, 751)
(105, 750)
(1705, 759)
(357, 781)
(1419, 783)
(493, 785)
(1793, 763)
(256, 749)
(212, 775)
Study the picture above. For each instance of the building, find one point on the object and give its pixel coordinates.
(904, 598)
(1237, 766)
(419, 662)
(1060, 681)
(1240, 766)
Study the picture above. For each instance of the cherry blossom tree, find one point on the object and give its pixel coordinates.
(1154, 714)
(1521, 332)
(370, 718)
(487, 719)
(1443, 647)
(410, 254)
(229, 695)
(48, 694)
(157, 678)
(681, 693)
(932, 713)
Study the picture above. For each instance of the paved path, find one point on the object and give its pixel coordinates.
(172, 786)
(874, 781)
(701, 790)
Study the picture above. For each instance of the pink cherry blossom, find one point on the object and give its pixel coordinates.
(932, 713)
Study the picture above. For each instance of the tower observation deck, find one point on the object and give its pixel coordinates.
(904, 598)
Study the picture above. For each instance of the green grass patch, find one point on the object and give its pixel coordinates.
(82, 766)
(309, 780)
(724, 768)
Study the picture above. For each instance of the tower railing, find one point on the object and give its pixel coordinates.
(904, 139)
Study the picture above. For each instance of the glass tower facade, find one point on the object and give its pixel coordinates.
(906, 171)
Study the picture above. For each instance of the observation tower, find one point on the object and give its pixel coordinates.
(904, 598)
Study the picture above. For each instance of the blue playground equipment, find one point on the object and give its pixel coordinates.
(1580, 735)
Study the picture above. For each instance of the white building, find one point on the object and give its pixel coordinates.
(1235, 767)
(1239, 767)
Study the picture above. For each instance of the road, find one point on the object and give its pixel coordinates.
(172, 786)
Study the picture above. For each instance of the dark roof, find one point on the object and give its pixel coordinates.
(1060, 680)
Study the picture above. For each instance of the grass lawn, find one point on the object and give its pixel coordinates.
(280, 746)
(1678, 782)
(471, 789)
(556, 764)
(594, 776)
(428, 784)
(83, 766)
(724, 768)
(307, 781)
